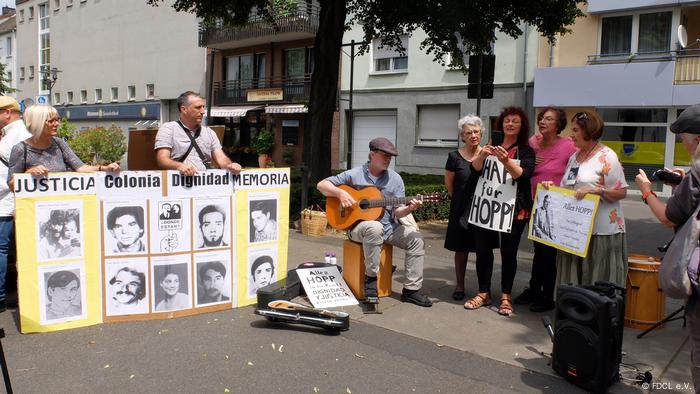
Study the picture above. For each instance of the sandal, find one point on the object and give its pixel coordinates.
(506, 307)
(458, 295)
(479, 300)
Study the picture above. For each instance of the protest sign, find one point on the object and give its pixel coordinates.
(325, 287)
(560, 220)
(493, 204)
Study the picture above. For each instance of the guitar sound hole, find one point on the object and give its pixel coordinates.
(363, 204)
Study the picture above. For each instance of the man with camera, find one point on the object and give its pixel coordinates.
(680, 206)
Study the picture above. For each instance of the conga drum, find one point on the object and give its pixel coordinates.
(646, 302)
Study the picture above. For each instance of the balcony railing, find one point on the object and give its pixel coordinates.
(302, 20)
(687, 67)
(294, 90)
(608, 58)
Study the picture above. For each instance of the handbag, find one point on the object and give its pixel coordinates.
(676, 266)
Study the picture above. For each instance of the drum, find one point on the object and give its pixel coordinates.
(646, 302)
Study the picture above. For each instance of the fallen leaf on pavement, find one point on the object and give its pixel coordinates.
(91, 343)
(106, 366)
(226, 357)
(226, 390)
(131, 376)
(250, 363)
(347, 389)
(280, 348)
(163, 331)
(273, 346)
(359, 356)
(316, 390)
(439, 345)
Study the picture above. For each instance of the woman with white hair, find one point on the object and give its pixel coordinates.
(678, 209)
(460, 181)
(43, 152)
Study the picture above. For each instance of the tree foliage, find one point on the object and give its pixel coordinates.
(448, 24)
(99, 145)
(5, 87)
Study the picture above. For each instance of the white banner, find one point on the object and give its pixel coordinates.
(493, 204)
(325, 287)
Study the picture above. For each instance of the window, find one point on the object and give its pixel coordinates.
(31, 13)
(150, 91)
(98, 95)
(8, 45)
(436, 125)
(56, 5)
(69, 3)
(294, 63)
(9, 76)
(83, 97)
(21, 73)
(131, 91)
(70, 97)
(57, 98)
(31, 72)
(386, 59)
(21, 16)
(44, 45)
(115, 94)
(640, 34)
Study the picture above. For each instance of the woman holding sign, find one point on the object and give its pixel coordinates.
(552, 155)
(595, 169)
(460, 181)
(518, 160)
(43, 152)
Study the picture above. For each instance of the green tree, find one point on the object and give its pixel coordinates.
(99, 145)
(66, 130)
(442, 20)
(4, 82)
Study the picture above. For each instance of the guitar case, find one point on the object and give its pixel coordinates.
(287, 290)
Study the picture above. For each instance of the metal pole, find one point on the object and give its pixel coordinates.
(210, 93)
(350, 114)
(478, 85)
(304, 186)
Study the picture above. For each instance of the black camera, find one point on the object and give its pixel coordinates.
(666, 176)
(496, 138)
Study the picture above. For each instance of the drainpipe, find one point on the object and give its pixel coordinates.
(551, 54)
(525, 67)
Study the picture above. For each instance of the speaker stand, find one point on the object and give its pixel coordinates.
(667, 319)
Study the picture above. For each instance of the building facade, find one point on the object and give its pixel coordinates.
(625, 60)
(416, 102)
(261, 79)
(8, 30)
(107, 62)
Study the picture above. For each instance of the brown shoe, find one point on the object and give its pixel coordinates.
(479, 300)
(506, 307)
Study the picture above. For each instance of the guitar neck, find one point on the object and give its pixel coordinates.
(390, 201)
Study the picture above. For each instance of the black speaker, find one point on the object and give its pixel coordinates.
(588, 334)
(481, 71)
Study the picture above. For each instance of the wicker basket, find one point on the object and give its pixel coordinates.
(313, 222)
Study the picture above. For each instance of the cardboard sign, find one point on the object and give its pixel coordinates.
(493, 204)
(325, 287)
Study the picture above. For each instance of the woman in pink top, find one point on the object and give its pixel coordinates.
(552, 155)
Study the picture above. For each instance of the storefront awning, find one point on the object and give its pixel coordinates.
(286, 109)
(225, 112)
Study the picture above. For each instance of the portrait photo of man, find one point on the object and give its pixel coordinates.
(63, 295)
(262, 273)
(542, 220)
(59, 235)
(263, 220)
(212, 226)
(126, 226)
(212, 283)
(126, 291)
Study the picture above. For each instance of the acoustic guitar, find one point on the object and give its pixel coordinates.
(369, 206)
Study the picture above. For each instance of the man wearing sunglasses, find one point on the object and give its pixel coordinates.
(13, 131)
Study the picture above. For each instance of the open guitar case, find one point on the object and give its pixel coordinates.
(287, 290)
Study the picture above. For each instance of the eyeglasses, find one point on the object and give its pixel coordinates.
(581, 116)
(471, 131)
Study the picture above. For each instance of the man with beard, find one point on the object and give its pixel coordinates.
(211, 223)
(128, 290)
(126, 226)
(212, 277)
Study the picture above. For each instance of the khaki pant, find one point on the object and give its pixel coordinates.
(370, 234)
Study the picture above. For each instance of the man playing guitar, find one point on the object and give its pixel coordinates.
(373, 233)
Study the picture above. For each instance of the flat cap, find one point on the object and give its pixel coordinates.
(383, 145)
(688, 121)
(7, 102)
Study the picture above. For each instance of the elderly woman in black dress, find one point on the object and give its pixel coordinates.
(460, 182)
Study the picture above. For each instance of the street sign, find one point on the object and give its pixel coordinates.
(42, 100)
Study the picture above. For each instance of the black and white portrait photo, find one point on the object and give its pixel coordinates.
(213, 282)
(263, 220)
(62, 294)
(212, 223)
(171, 287)
(126, 287)
(262, 269)
(125, 229)
(59, 231)
(170, 226)
(542, 220)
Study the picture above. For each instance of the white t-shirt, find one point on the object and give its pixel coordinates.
(13, 133)
(603, 168)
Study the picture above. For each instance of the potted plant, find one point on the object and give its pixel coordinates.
(263, 143)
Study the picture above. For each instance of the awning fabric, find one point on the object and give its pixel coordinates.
(224, 112)
(286, 109)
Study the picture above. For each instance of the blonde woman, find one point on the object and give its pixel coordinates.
(43, 152)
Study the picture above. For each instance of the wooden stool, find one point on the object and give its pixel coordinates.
(354, 269)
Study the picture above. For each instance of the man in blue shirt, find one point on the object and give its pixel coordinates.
(373, 233)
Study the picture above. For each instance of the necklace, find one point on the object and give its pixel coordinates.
(588, 154)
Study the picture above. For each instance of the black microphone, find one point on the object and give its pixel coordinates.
(548, 325)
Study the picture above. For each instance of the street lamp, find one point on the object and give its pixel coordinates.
(49, 75)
